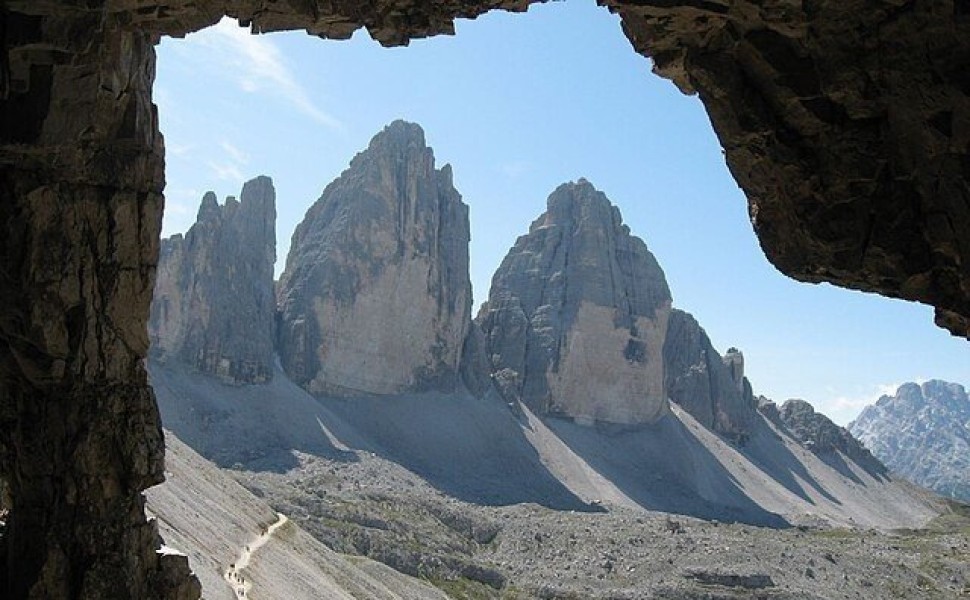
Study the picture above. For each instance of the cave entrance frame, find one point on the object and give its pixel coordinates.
(844, 123)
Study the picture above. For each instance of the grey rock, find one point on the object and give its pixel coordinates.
(214, 306)
(80, 134)
(712, 388)
(749, 581)
(475, 368)
(376, 296)
(577, 314)
(923, 434)
(770, 410)
(824, 438)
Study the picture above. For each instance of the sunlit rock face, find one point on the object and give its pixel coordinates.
(577, 314)
(922, 432)
(376, 296)
(823, 437)
(214, 307)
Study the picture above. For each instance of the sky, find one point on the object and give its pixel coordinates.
(518, 104)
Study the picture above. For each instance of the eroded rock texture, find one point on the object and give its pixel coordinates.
(376, 296)
(823, 437)
(712, 388)
(214, 306)
(847, 124)
(577, 315)
(922, 432)
(80, 206)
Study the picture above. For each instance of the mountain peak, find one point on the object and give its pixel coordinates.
(576, 315)
(213, 305)
(380, 262)
(398, 134)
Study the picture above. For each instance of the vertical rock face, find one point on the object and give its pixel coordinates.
(922, 433)
(711, 388)
(81, 176)
(843, 122)
(214, 306)
(577, 314)
(376, 296)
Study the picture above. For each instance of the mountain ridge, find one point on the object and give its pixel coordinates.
(922, 432)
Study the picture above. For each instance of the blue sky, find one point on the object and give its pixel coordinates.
(519, 103)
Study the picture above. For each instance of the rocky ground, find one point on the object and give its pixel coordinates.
(372, 507)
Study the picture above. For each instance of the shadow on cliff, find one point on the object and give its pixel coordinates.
(664, 467)
(472, 449)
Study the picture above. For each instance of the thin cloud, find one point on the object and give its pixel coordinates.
(226, 171)
(258, 66)
(237, 155)
(177, 208)
(179, 201)
(176, 149)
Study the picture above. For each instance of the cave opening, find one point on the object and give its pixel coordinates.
(81, 181)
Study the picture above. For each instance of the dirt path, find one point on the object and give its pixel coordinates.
(234, 574)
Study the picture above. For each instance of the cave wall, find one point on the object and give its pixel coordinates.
(81, 177)
(846, 123)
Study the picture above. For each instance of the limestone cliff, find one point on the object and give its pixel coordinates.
(214, 306)
(710, 387)
(922, 432)
(376, 296)
(577, 315)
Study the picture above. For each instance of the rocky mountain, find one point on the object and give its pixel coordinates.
(214, 306)
(445, 485)
(371, 444)
(712, 388)
(376, 296)
(922, 432)
(577, 315)
(203, 513)
(579, 324)
(824, 438)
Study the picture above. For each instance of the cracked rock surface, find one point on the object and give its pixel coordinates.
(214, 305)
(577, 315)
(376, 295)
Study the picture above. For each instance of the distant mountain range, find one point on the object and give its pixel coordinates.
(923, 434)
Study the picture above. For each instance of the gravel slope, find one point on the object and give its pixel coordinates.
(483, 452)
(205, 514)
(407, 481)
